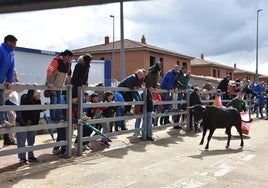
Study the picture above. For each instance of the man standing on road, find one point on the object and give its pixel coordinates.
(7, 64)
(59, 67)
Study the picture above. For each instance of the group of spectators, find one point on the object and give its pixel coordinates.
(59, 73)
(240, 88)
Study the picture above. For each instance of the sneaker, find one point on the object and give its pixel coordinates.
(56, 151)
(105, 143)
(124, 128)
(177, 127)
(24, 162)
(63, 155)
(9, 143)
(85, 147)
(150, 139)
(89, 145)
(189, 130)
(33, 159)
(137, 134)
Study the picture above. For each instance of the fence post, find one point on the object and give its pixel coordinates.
(69, 120)
(188, 110)
(144, 120)
(79, 127)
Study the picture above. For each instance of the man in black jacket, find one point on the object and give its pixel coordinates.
(29, 117)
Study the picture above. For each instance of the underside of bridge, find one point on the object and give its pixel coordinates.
(12, 6)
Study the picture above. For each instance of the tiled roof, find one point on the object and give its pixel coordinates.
(202, 62)
(129, 45)
(243, 71)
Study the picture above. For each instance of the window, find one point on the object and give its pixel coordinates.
(178, 63)
(214, 73)
(219, 74)
(184, 64)
(152, 60)
(161, 59)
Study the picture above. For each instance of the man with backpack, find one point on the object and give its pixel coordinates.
(59, 68)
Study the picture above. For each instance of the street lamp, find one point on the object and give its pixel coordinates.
(257, 46)
(112, 64)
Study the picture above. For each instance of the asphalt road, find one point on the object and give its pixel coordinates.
(175, 159)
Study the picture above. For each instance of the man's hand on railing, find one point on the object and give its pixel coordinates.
(50, 85)
(8, 85)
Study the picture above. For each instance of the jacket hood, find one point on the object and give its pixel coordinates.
(7, 47)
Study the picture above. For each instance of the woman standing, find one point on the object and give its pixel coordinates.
(80, 75)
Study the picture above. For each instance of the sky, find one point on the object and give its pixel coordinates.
(224, 31)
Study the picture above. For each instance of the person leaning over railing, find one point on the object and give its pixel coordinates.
(7, 63)
(181, 85)
(168, 83)
(57, 70)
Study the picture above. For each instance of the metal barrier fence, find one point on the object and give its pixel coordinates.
(81, 105)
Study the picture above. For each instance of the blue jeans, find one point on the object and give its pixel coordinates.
(136, 96)
(55, 98)
(21, 141)
(2, 102)
(119, 112)
(149, 124)
(166, 97)
(137, 123)
(157, 110)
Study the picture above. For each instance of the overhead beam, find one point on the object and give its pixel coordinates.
(12, 6)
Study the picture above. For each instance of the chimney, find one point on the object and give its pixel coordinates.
(143, 40)
(106, 40)
(202, 56)
(234, 65)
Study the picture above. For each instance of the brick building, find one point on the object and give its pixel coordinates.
(137, 55)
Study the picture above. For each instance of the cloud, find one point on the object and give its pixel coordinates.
(221, 30)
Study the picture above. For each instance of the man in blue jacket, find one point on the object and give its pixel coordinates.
(6, 71)
(168, 83)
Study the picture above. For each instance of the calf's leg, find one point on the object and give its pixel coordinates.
(241, 136)
(228, 132)
(211, 131)
(204, 134)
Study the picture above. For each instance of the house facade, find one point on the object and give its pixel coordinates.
(201, 66)
(137, 55)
